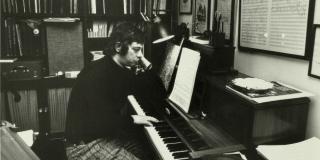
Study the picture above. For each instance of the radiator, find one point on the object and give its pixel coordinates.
(58, 102)
(24, 113)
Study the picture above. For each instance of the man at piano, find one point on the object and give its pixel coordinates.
(98, 125)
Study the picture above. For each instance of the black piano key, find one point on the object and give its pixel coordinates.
(167, 134)
(177, 147)
(160, 124)
(181, 154)
(171, 140)
(163, 128)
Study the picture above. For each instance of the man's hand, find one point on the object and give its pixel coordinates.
(144, 120)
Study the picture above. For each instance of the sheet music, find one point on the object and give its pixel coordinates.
(274, 25)
(169, 63)
(185, 78)
(26, 136)
(316, 54)
(316, 19)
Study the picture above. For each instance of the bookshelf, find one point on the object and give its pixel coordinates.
(27, 37)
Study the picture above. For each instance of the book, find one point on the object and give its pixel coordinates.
(115, 7)
(305, 150)
(185, 78)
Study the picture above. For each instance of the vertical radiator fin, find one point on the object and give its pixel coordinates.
(58, 102)
(24, 113)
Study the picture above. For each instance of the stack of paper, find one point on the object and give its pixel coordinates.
(27, 136)
(305, 150)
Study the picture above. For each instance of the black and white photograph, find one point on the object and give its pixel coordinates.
(185, 6)
(201, 16)
(160, 80)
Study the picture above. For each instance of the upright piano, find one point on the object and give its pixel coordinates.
(179, 137)
(220, 121)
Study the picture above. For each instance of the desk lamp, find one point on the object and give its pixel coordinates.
(161, 32)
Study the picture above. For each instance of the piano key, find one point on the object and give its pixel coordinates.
(171, 140)
(177, 147)
(180, 155)
(165, 134)
(163, 128)
(160, 124)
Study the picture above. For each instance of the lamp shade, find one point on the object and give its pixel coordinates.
(161, 33)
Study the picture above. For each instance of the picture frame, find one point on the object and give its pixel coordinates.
(201, 16)
(185, 6)
(287, 39)
(314, 64)
(225, 8)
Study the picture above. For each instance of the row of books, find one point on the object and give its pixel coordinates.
(20, 39)
(159, 6)
(103, 29)
(116, 7)
(99, 29)
(100, 7)
(41, 6)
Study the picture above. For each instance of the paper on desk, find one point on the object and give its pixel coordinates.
(305, 150)
(27, 136)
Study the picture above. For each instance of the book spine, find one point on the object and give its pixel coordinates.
(19, 40)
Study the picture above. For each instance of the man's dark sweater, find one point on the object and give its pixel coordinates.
(96, 105)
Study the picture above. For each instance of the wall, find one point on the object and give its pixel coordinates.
(287, 70)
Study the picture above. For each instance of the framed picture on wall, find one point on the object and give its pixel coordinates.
(201, 16)
(314, 65)
(185, 6)
(277, 28)
(224, 9)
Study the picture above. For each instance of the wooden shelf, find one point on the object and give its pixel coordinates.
(55, 82)
(39, 15)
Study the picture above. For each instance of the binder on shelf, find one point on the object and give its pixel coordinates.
(20, 38)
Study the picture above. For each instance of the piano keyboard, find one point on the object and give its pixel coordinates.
(163, 138)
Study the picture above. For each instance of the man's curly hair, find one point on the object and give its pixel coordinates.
(124, 33)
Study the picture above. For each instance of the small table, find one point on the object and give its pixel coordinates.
(253, 123)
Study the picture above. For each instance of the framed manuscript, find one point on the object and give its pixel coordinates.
(276, 26)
